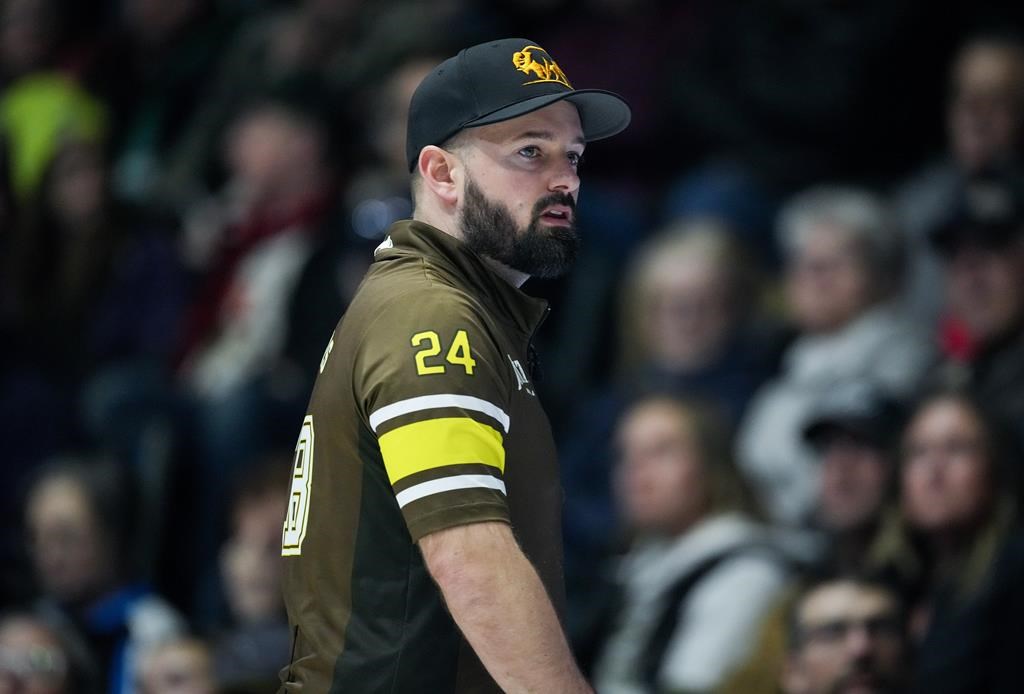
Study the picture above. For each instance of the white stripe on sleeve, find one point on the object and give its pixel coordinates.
(433, 402)
(447, 484)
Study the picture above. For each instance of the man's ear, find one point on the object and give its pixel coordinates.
(438, 170)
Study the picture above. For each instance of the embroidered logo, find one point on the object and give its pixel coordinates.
(521, 381)
(534, 60)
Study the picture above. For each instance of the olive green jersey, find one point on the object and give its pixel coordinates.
(423, 417)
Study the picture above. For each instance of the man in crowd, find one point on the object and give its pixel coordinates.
(846, 635)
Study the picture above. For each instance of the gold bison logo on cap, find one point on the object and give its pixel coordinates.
(536, 61)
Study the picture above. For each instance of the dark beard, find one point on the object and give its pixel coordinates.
(540, 251)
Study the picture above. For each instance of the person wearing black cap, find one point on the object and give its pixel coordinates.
(422, 541)
(982, 245)
(853, 433)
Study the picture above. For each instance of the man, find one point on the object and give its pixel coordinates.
(422, 537)
(847, 635)
(853, 433)
(982, 245)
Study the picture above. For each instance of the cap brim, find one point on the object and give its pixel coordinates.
(861, 427)
(602, 113)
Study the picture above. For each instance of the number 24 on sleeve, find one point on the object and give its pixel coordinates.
(459, 353)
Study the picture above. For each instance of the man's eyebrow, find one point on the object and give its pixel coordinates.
(545, 135)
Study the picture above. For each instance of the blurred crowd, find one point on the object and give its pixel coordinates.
(786, 375)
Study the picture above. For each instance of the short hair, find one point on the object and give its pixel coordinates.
(815, 582)
(859, 213)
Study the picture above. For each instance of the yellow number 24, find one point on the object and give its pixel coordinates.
(459, 354)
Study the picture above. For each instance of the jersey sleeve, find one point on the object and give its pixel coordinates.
(433, 387)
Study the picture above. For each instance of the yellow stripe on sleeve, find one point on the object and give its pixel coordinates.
(439, 442)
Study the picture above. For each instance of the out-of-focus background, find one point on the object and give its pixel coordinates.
(786, 375)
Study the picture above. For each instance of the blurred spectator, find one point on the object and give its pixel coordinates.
(854, 430)
(983, 248)
(178, 666)
(38, 115)
(343, 45)
(960, 506)
(984, 116)
(687, 325)
(89, 285)
(847, 634)
(38, 658)
(700, 573)
(374, 194)
(257, 642)
(30, 35)
(843, 270)
(90, 301)
(379, 194)
(82, 545)
(249, 245)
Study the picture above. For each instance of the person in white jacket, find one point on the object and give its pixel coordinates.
(844, 260)
(700, 573)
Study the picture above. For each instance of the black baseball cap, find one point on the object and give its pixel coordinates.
(988, 211)
(495, 81)
(859, 408)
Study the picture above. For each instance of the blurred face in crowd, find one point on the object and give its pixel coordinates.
(854, 476)
(70, 552)
(271, 150)
(77, 186)
(827, 283)
(849, 640)
(660, 480)
(251, 563)
(27, 32)
(519, 190)
(32, 660)
(181, 667)
(985, 288)
(946, 471)
(987, 104)
(687, 311)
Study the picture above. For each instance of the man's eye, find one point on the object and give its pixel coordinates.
(530, 152)
(575, 158)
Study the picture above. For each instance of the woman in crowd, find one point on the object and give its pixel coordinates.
(959, 499)
(700, 573)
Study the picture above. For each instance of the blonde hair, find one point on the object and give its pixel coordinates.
(706, 240)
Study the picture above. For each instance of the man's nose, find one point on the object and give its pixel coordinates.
(564, 178)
